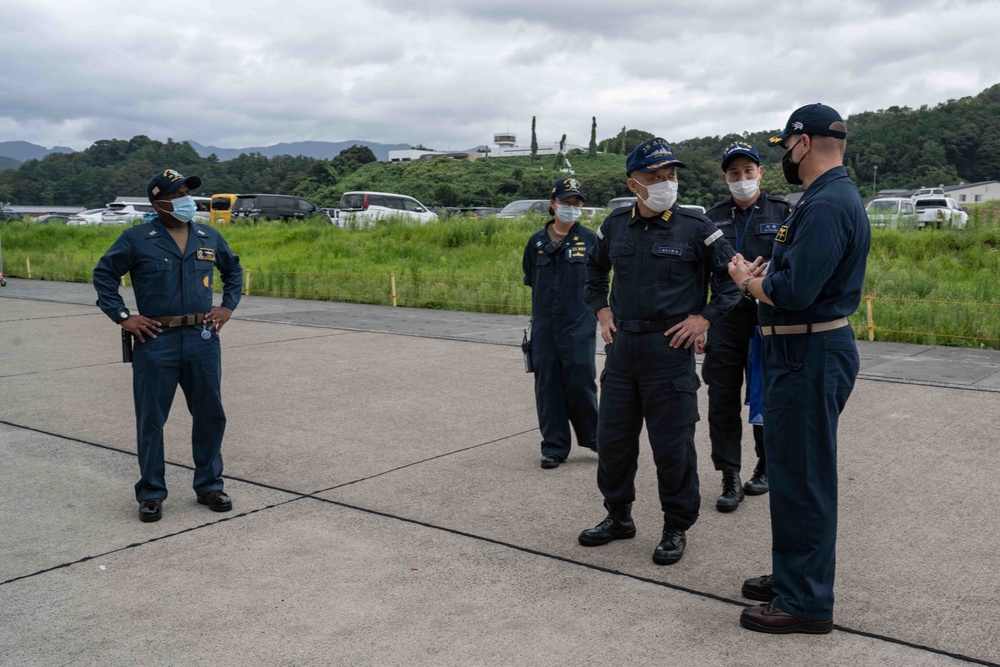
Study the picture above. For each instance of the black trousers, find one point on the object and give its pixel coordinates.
(644, 378)
(724, 371)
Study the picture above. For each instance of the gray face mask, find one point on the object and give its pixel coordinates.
(568, 214)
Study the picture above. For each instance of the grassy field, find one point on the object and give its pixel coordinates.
(931, 286)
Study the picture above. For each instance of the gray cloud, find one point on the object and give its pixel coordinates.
(450, 74)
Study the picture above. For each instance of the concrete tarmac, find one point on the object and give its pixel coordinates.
(389, 508)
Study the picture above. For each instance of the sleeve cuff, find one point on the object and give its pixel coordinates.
(711, 313)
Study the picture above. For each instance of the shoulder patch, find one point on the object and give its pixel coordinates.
(712, 238)
(600, 234)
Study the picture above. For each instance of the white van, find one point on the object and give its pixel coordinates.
(364, 208)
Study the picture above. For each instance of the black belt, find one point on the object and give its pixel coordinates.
(182, 320)
(644, 326)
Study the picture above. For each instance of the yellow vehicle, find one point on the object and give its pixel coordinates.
(221, 209)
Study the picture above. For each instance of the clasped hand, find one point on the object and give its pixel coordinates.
(740, 269)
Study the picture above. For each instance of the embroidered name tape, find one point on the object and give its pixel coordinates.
(667, 250)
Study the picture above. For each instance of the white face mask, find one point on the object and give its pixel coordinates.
(568, 214)
(744, 190)
(660, 196)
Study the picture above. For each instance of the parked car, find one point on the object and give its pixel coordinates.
(468, 211)
(203, 210)
(523, 207)
(118, 213)
(272, 207)
(53, 217)
(220, 208)
(92, 216)
(619, 202)
(940, 212)
(364, 208)
(892, 212)
(924, 192)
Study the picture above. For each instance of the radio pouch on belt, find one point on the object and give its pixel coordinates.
(126, 347)
(526, 349)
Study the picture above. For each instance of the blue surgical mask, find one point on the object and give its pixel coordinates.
(184, 208)
(568, 214)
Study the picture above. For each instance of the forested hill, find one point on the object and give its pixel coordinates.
(955, 141)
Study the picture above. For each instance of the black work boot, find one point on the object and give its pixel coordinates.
(617, 525)
(732, 492)
(671, 547)
(757, 485)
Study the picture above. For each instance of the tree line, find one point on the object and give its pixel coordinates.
(957, 140)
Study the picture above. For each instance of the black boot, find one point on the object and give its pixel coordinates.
(671, 547)
(732, 492)
(757, 485)
(617, 525)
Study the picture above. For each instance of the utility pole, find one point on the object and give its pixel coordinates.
(874, 179)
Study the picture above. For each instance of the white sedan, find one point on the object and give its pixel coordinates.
(89, 217)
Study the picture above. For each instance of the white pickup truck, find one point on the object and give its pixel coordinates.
(936, 211)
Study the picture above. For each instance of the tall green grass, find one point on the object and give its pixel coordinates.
(928, 286)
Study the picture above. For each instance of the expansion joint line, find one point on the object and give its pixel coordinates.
(647, 580)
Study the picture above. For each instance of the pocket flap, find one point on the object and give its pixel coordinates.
(687, 383)
(621, 249)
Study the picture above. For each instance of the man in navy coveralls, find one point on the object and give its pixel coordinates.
(171, 261)
(812, 285)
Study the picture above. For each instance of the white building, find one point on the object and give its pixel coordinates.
(973, 193)
(506, 146)
(410, 154)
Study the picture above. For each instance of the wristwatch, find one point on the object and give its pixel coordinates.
(745, 288)
(123, 315)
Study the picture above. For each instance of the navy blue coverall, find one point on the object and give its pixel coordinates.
(660, 277)
(563, 334)
(167, 282)
(750, 232)
(816, 275)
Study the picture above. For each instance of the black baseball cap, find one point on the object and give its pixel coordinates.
(650, 156)
(812, 119)
(168, 181)
(738, 148)
(564, 188)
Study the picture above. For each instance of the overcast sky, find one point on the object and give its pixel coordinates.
(449, 74)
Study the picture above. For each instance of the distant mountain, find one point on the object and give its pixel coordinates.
(8, 163)
(23, 151)
(321, 150)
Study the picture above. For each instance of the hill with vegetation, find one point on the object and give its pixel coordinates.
(957, 140)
